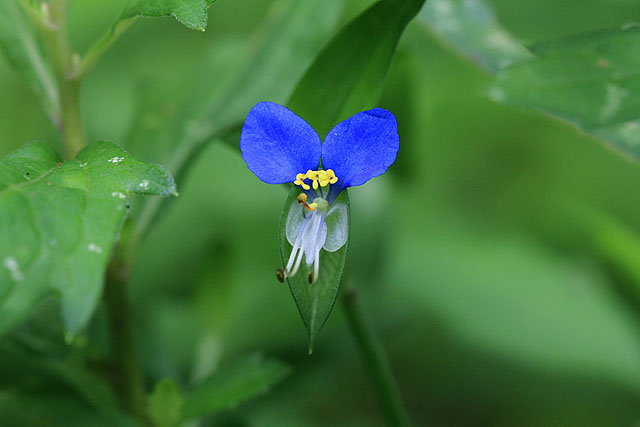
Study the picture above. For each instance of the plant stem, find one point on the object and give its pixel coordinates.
(95, 52)
(127, 379)
(375, 362)
(51, 21)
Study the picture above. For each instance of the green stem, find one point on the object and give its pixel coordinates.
(52, 23)
(375, 362)
(95, 52)
(127, 378)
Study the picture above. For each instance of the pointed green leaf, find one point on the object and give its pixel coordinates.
(21, 46)
(471, 27)
(59, 222)
(165, 404)
(191, 13)
(348, 75)
(316, 301)
(591, 80)
(233, 384)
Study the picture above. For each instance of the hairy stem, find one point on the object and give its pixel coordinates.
(127, 377)
(375, 362)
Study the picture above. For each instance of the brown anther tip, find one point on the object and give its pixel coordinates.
(311, 277)
(280, 275)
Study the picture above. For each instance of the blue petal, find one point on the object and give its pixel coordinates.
(361, 147)
(276, 144)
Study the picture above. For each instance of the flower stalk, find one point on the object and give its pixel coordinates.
(375, 362)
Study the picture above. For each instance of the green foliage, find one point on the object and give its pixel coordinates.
(165, 404)
(191, 13)
(59, 222)
(590, 80)
(348, 75)
(315, 302)
(21, 46)
(472, 28)
(231, 385)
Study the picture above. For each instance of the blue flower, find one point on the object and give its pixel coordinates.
(280, 147)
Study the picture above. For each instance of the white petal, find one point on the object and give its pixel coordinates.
(337, 224)
(294, 221)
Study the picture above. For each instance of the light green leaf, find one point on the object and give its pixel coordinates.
(534, 307)
(165, 404)
(231, 385)
(191, 13)
(471, 27)
(267, 70)
(59, 221)
(348, 75)
(20, 44)
(316, 301)
(591, 80)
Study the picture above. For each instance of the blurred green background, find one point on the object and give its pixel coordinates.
(499, 257)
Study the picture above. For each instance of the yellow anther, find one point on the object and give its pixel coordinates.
(331, 175)
(319, 178)
(300, 181)
(302, 199)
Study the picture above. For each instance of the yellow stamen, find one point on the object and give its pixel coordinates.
(302, 199)
(300, 181)
(319, 178)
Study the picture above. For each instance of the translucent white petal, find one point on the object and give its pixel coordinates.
(337, 225)
(294, 222)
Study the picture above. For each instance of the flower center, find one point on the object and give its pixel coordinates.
(320, 178)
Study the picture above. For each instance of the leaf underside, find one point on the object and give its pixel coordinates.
(59, 221)
(316, 301)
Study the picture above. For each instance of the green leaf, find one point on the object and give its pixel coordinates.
(191, 13)
(471, 27)
(348, 75)
(165, 404)
(238, 382)
(316, 301)
(591, 80)
(59, 221)
(21, 46)
(53, 370)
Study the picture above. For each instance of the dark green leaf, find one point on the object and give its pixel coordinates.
(472, 28)
(53, 371)
(233, 384)
(316, 301)
(165, 404)
(191, 13)
(56, 410)
(348, 75)
(591, 80)
(20, 44)
(59, 221)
